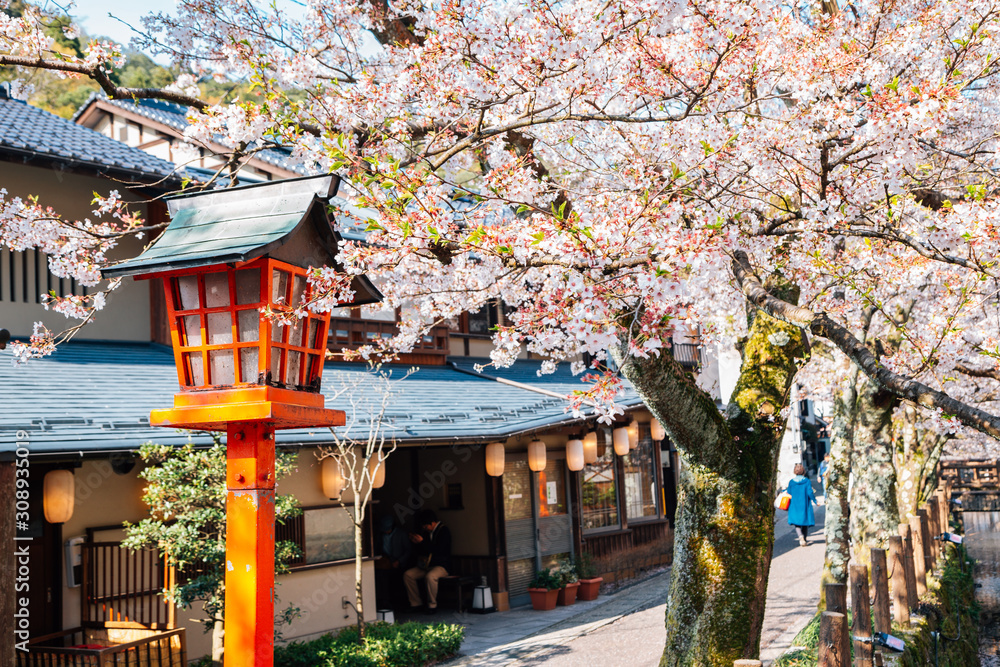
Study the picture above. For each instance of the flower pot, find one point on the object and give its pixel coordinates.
(590, 588)
(567, 595)
(543, 599)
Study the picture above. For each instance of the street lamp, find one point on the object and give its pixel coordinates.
(225, 256)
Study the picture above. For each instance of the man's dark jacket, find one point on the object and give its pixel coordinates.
(437, 544)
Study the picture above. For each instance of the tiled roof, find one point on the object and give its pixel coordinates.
(95, 397)
(25, 129)
(175, 116)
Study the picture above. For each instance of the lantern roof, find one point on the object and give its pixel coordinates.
(286, 219)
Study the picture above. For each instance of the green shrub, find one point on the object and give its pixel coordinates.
(404, 645)
(546, 579)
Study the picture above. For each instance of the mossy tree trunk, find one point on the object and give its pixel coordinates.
(917, 455)
(724, 529)
(837, 525)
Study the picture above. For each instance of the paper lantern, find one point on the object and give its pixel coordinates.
(332, 478)
(385, 615)
(619, 437)
(574, 455)
(482, 598)
(376, 471)
(633, 434)
(656, 430)
(590, 447)
(58, 491)
(536, 455)
(494, 459)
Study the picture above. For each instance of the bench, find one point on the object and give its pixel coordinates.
(457, 585)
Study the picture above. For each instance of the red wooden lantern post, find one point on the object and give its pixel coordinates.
(224, 257)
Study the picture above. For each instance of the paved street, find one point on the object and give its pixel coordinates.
(626, 628)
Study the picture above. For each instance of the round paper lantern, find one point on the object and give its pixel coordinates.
(58, 491)
(656, 430)
(633, 434)
(574, 455)
(619, 437)
(332, 478)
(536, 455)
(590, 447)
(494, 459)
(376, 471)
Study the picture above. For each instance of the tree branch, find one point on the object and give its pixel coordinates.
(820, 324)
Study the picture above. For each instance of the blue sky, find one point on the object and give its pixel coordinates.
(93, 15)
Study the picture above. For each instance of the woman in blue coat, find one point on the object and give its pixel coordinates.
(800, 509)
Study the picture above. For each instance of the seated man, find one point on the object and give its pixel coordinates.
(433, 550)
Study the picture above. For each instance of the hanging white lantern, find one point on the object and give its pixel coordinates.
(633, 434)
(657, 431)
(58, 491)
(494, 459)
(590, 447)
(574, 455)
(619, 437)
(536, 455)
(376, 471)
(331, 478)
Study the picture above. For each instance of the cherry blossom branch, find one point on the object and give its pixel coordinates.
(821, 324)
(978, 372)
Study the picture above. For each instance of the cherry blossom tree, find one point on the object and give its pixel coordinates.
(614, 171)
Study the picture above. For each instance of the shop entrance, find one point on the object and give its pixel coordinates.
(538, 526)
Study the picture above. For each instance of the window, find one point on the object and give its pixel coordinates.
(641, 494)
(324, 534)
(599, 495)
(25, 276)
(478, 323)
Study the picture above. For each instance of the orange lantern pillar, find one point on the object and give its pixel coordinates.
(226, 256)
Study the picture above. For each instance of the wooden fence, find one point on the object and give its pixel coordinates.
(898, 578)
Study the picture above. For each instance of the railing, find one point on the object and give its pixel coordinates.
(972, 473)
(620, 553)
(122, 585)
(104, 647)
(350, 334)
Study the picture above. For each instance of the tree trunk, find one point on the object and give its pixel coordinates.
(837, 526)
(359, 605)
(724, 529)
(917, 456)
(218, 641)
(874, 512)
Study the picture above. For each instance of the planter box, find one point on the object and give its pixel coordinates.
(567, 595)
(542, 599)
(590, 588)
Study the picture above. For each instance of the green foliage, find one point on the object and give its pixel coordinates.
(384, 646)
(546, 579)
(566, 571)
(585, 566)
(186, 495)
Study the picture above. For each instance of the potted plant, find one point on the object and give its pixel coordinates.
(590, 583)
(544, 589)
(570, 583)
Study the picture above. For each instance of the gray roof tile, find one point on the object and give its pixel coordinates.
(90, 397)
(24, 127)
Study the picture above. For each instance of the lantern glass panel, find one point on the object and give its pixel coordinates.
(221, 363)
(196, 370)
(249, 326)
(249, 364)
(216, 290)
(247, 286)
(276, 364)
(186, 288)
(311, 341)
(294, 366)
(192, 330)
(279, 287)
(220, 328)
(277, 332)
